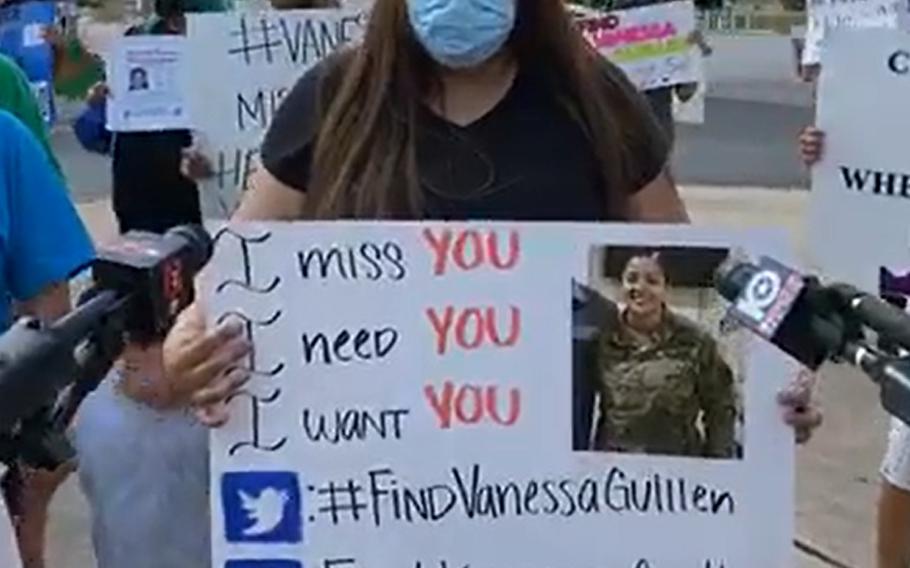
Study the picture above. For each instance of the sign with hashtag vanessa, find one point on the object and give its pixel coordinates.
(245, 63)
(495, 395)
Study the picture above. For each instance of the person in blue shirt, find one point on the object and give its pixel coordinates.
(42, 243)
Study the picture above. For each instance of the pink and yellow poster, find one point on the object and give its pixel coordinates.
(651, 44)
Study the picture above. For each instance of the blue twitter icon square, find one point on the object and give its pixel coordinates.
(262, 506)
(263, 564)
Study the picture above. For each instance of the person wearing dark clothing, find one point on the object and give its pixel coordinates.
(592, 314)
(150, 191)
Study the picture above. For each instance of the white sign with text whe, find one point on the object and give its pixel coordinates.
(860, 200)
(146, 77)
(448, 395)
(651, 44)
(247, 62)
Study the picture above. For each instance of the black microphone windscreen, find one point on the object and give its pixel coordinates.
(199, 244)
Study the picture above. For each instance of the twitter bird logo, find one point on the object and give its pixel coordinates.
(262, 506)
(266, 511)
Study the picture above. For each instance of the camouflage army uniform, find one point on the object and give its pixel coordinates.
(651, 396)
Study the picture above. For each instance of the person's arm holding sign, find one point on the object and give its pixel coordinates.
(811, 145)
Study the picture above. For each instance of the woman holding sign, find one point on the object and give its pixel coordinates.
(454, 109)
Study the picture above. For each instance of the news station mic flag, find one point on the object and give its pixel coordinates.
(769, 299)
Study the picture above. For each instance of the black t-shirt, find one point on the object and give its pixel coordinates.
(526, 159)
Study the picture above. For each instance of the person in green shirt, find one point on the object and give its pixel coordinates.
(17, 98)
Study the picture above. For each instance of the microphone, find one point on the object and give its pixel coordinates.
(793, 312)
(154, 275)
(814, 323)
(883, 317)
(141, 283)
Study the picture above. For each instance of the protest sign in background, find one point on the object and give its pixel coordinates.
(412, 405)
(147, 76)
(860, 200)
(243, 64)
(22, 29)
(651, 44)
(827, 15)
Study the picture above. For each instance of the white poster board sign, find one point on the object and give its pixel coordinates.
(246, 63)
(651, 44)
(827, 15)
(860, 201)
(415, 402)
(147, 84)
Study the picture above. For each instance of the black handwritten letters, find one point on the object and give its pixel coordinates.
(275, 40)
(381, 497)
(345, 346)
(361, 261)
(353, 424)
(248, 282)
(233, 167)
(255, 109)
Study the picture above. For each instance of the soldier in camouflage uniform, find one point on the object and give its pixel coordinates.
(662, 384)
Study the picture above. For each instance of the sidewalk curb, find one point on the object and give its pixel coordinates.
(724, 205)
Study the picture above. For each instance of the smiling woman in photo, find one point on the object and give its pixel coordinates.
(662, 385)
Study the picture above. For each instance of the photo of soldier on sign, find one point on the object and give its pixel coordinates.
(651, 373)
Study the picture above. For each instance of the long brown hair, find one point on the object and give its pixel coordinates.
(365, 165)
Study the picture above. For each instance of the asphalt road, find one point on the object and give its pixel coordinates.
(742, 143)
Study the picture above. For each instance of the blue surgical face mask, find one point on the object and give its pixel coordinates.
(462, 33)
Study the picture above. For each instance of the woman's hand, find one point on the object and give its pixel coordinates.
(811, 145)
(698, 39)
(97, 93)
(195, 166)
(798, 408)
(203, 367)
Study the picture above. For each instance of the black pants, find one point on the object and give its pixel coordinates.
(156, 211)
(661, 101)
